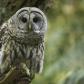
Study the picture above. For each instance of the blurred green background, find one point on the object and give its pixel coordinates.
(64, 44)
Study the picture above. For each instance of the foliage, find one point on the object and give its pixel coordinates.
(64, 44)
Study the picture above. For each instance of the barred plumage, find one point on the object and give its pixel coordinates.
(23, 45)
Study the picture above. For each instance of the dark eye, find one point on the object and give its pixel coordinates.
(24, 20)
(35, 20)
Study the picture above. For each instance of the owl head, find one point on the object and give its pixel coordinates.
(27, 23)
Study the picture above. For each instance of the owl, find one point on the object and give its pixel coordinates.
(22, 40)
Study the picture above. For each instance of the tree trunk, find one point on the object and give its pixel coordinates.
(9, 7)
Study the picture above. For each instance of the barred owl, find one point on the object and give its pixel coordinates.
(22, 40)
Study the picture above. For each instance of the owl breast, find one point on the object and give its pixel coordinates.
(14, 53)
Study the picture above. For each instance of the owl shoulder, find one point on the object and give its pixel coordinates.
(3, 28)
(2, 31)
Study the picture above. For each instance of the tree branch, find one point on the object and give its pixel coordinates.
(16, 76)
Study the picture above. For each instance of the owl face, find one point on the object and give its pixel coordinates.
(30, 21)
(27, 23)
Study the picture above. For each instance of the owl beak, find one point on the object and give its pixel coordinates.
(29, 26)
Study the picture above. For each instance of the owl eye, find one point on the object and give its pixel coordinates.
(35, 20)
(24, 20)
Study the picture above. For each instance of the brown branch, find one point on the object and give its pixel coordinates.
(16, 76)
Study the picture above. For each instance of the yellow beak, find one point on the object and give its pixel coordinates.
(29, 26)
